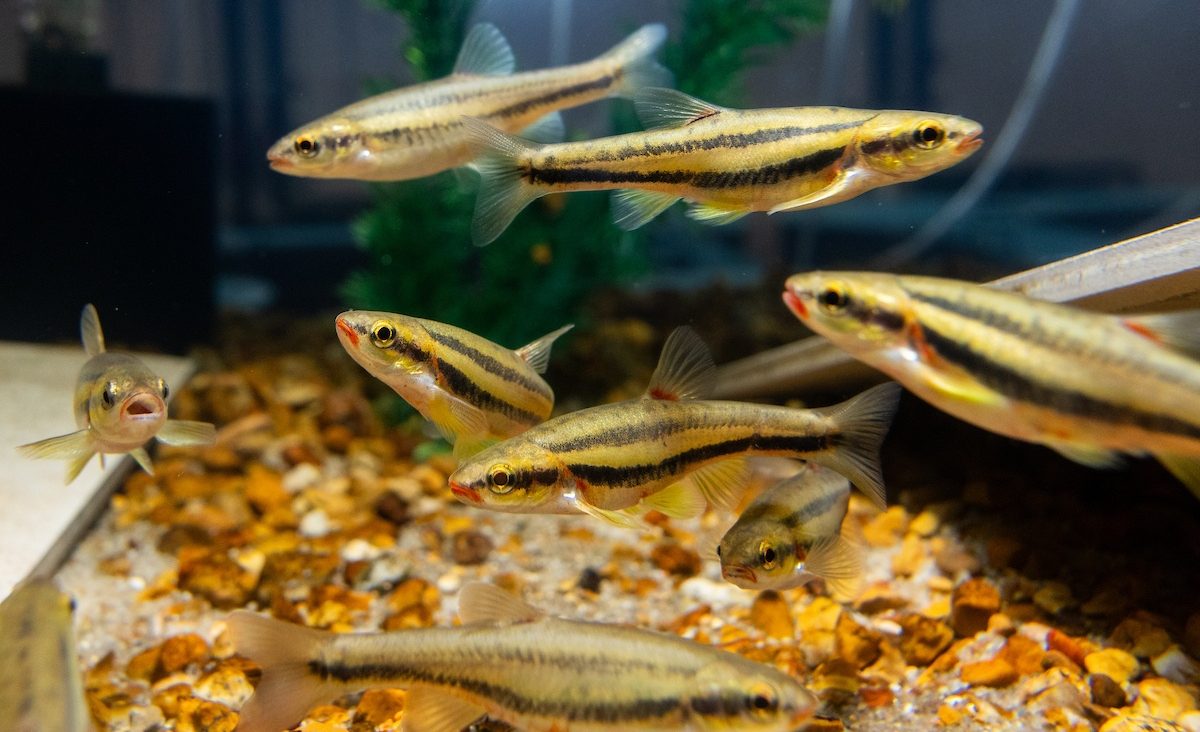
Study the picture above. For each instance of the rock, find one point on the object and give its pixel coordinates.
(470, 547)
(972, 603)
(856, 645)
(876, 696)
(673, 558)
(1140, 637)
(908, 560)
(315, 524)
(836, 678)
(885, 529)
(1114, 663)
(879, 597)
(1024, 654)
(201, 715)
(226, 685)
(1053, 597)
(1059, 660)
(1073, 649)
(589, 580)
(771, 615)
(379, 706)
(815, 624)
(264, 488)
(1162, 698)
(1105, 691)
(995, 672)
(925, 524)
(923, 639)
(304, 475)
(1139, 723)
(953, 558)
(181, 650)
(217, 578)
(392, 508)
(1176, 665)
(1190, 721)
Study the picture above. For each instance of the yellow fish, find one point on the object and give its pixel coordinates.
(475, 391)
(119, 405)
(1087, 385)
(671, 450)
(515, 664)
(727, 162)
(41, 688)
(417, 131)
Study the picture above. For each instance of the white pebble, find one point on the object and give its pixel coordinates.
(449, 583)
(300, 477)
(1176, 665)
(713, 593)
(358, 550)
(314, 524)
(1189, 721)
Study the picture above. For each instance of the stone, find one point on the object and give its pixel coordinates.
(379, 706)
(971, 604)
(470, 547)
(856, 644)
(1053, 597)
(770, 614)
(908, 560)
(1024, 654)
(923, 639)
(879, 597)
(1139, 723)
(264, 488)
(1105, 691)
(1118, 665)
(675, 559)
(589, 580)
(1140, 637)
(181, 650)
(1176, 665)
(885, 529)
(925, 524)
(1162, 698)
(995, 672)
(390, 507)
(217, 578)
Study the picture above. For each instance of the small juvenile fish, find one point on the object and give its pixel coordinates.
(41, 689)
(792, 534)
(726, 162)
(671, 450)
(417, 131)
(119, 405)
(512, 662)
(1087, 385)
(474, 390)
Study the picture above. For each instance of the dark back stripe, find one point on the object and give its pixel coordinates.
(723, 141)
(1016, 385)
(556, 95)
(490, 364)
(464, 387)
(762, 176)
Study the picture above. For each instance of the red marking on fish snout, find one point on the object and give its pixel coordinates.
(347, 331)
(464, 493)
(795, 304)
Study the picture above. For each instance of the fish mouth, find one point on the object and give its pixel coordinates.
(143, 407)
(346, 331)
(795, 304)
(465, 494)
(970, 143)
(739, 575)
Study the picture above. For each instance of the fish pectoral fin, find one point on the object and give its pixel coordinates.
(960, 388)
(1184, 467)
(839, 561)
(632, 208)
(685, 368)
(143, 459)
(537, 353)
(714, 215)
(456, 419)
(723, 484)
(679, 500)
(485, 52)
(1093, 457)
(658, 108)
(1178, 331)
(480, 602)
(72, 445)
(186, 432)
(430, 710)
(626, 518)
(90, 332)
(546, 129)
(845, 186)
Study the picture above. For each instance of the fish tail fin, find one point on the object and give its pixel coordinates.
(502, 191)
(283, 651)
(77, 447)
(634, 59)
(1184, 467)
(862, 424)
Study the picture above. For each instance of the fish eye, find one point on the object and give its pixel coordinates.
(501, 479)
(162, 386)
(833, 298)
(307, 147)
(767, 556)
(718, 550)
(763, 701)
(109, 396)
(929, 135)
(383, 334)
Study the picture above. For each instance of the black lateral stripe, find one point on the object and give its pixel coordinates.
(549, 98)
(640, 709)
(627, 476)
(764, 175)
(1017, 386)
(489, 364)
(818, 506)
(987, 316)
(462, 386)
(722, 141)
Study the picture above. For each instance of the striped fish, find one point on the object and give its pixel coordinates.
(120, 404)
(1090, 386)
(417, 131)
(792, 534)
(41, 689)
(472, 389)
(727, 162)
(517, 665)
(671, 450)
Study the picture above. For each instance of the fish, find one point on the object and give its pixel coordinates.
(511, 661)
(671, 450)
(725, 162)
(417, 131)
(41, 687)
(1089, 385)
(475, 391)
(793, 533)
(120, 404)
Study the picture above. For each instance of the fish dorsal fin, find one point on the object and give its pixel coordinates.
(485, 52)
(545, 129)
(89, 330)
(479, 602)
(659, 108)
(1178, 331)
(685, 369)
(722, 483)
(537, 353)
(430, 710)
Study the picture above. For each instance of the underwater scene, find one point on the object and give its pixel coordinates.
(597, 365)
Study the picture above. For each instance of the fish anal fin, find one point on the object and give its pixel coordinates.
(1178, 331)
(485, 52)
(142, 458)
(685, 368)
(714, 215)
(660, 108)
(186, 432)
(431, 710)
(1089, 455)
(626, 518)
(679, 500)
(537, 353)
(457, 420)
(546, 129)
(723, 484)
(846, 185)
(633, 208)
(480, 602)
(90, 332)
(1184, 467)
